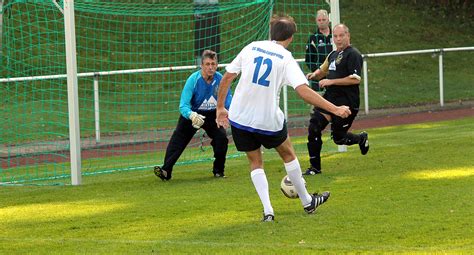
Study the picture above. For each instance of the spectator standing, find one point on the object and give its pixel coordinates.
(319, 45)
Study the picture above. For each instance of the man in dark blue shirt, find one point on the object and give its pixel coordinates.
(319, 45)
(198, 110)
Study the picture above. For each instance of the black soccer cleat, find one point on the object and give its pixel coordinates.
(364, 143)
(316, 201)
(268, 218)
(162, 174)
(219, 175)
(312, 171)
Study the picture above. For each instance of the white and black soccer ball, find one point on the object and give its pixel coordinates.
(288, 189)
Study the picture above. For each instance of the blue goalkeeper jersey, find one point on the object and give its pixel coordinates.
(200, 96)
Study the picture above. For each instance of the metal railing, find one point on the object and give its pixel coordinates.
(412, 52)
(96, 76)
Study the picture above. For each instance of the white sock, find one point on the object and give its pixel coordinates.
(293, 169)
(260, 182)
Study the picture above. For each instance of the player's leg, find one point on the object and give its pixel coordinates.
(259, 180)
(219, 145)
(317, 124)
(282, 144)
(341, 135)
(246, 141)
(293, 169)
(181, 137)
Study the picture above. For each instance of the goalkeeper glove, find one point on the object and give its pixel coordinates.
(197, 120)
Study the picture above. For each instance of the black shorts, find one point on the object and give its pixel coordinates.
(338, 124)
(249, 141)
(343, 124)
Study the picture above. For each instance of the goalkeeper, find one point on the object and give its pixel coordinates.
(198, 110)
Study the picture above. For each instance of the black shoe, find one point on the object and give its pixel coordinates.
(162, 174)
(219, 175)
(316, 201)
(268, 218)
(312, 171)
(364, 143)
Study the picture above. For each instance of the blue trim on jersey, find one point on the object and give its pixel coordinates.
(198, 95)
(253, 130)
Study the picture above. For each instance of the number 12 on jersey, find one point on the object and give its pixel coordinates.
(262, 80)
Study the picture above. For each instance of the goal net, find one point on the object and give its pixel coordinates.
(133, 58)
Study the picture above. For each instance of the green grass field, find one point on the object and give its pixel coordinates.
(412, 193)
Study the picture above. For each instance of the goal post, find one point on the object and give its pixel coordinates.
(72, 92)
(334, 15)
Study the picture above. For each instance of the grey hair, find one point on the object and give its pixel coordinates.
(322, 12)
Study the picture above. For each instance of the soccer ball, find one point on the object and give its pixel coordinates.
(288, 189)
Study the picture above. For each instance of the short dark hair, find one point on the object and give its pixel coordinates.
(208, 54)
(282, 27)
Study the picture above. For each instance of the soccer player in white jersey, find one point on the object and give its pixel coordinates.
(255, 116)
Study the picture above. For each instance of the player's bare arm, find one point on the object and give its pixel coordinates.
(320, 73)
(316, 75)
(222, 113)
(311, 97)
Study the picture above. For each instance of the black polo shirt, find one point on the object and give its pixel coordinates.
(342, 64)
(317, 49)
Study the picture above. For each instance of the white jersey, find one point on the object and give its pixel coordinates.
(265, 66)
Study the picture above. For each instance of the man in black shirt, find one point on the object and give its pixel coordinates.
(342, 69)
(319, 45)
